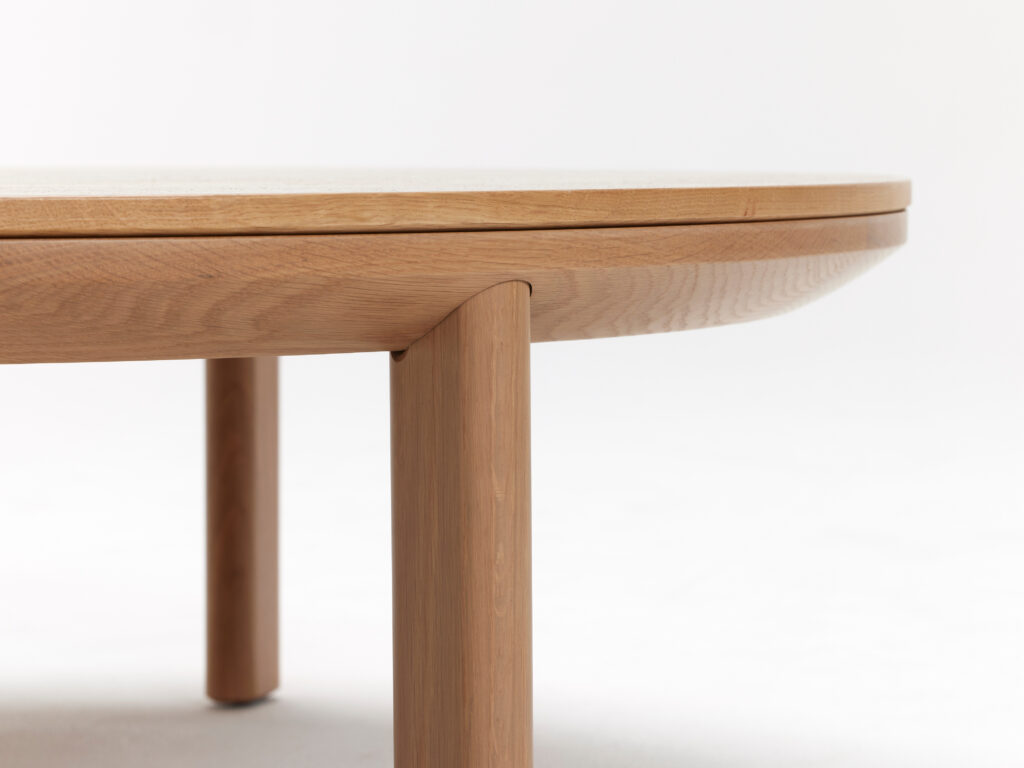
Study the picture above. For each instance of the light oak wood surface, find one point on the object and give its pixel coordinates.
(73, 299)
(241, 537)
(97, 202)
(460, 448)
(458, 270)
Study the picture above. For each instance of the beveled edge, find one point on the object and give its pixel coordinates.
(463, 210)
(79, 299)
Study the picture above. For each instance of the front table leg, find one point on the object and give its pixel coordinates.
(241, 536)
(460, 452)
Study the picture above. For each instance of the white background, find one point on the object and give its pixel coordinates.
(798, 542)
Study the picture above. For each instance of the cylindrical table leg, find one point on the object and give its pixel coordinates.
(241, 534)
(460, 452)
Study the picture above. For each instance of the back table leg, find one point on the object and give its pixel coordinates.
(241, 539)
(460, 442)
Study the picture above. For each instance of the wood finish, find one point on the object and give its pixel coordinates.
(97, 202)
(460, 437)
(243, 267)
(175, 297)
(242, 590)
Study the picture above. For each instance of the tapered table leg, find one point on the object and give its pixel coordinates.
(460, 430)
(241, 539)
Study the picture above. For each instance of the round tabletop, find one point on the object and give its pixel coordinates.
(153, 264)
(69, 202)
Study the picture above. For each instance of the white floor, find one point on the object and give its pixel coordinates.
(134, 733)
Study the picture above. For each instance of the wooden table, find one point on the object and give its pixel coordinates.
(454, 274)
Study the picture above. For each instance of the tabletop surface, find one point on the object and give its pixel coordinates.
(51, 202)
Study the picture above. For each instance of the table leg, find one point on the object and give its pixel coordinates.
(460, 443)
(241, 537)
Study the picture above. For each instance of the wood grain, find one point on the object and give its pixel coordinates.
(242, 591)
(460, 437)
(61, 203)
(177, 297)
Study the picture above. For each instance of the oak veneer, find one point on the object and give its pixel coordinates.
(460, 456)
(164, 201)
(241, 537)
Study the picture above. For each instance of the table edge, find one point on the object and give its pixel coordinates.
(446, 211)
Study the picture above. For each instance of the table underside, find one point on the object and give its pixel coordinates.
(127, 298)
